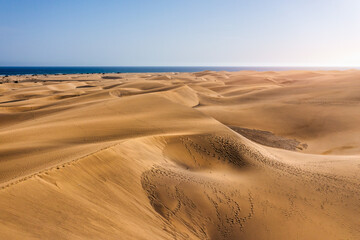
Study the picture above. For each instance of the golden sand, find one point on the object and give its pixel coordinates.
(208, 155)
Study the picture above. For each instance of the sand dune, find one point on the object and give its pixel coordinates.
(208, 155)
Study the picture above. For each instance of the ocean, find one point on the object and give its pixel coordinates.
(83, 70)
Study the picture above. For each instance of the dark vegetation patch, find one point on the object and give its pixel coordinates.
(269, 139)
(111, 77)
(86, 86)
(12, 101)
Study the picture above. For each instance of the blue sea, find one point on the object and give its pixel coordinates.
(84, 70)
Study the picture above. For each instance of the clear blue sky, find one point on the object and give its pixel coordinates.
(179, 32)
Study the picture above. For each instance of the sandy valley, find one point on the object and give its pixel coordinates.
(207, 155)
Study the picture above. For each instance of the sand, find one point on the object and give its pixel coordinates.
(208, 155)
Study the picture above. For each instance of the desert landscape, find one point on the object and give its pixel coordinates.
(205, 155)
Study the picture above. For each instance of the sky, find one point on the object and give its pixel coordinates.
(180, 33)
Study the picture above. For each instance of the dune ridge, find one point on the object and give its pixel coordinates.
(208, 155)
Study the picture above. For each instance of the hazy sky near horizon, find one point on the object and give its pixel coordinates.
(182, 33)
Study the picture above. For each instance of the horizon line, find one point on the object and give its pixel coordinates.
(346, 66)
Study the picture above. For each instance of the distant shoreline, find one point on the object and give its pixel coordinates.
(10, 71)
